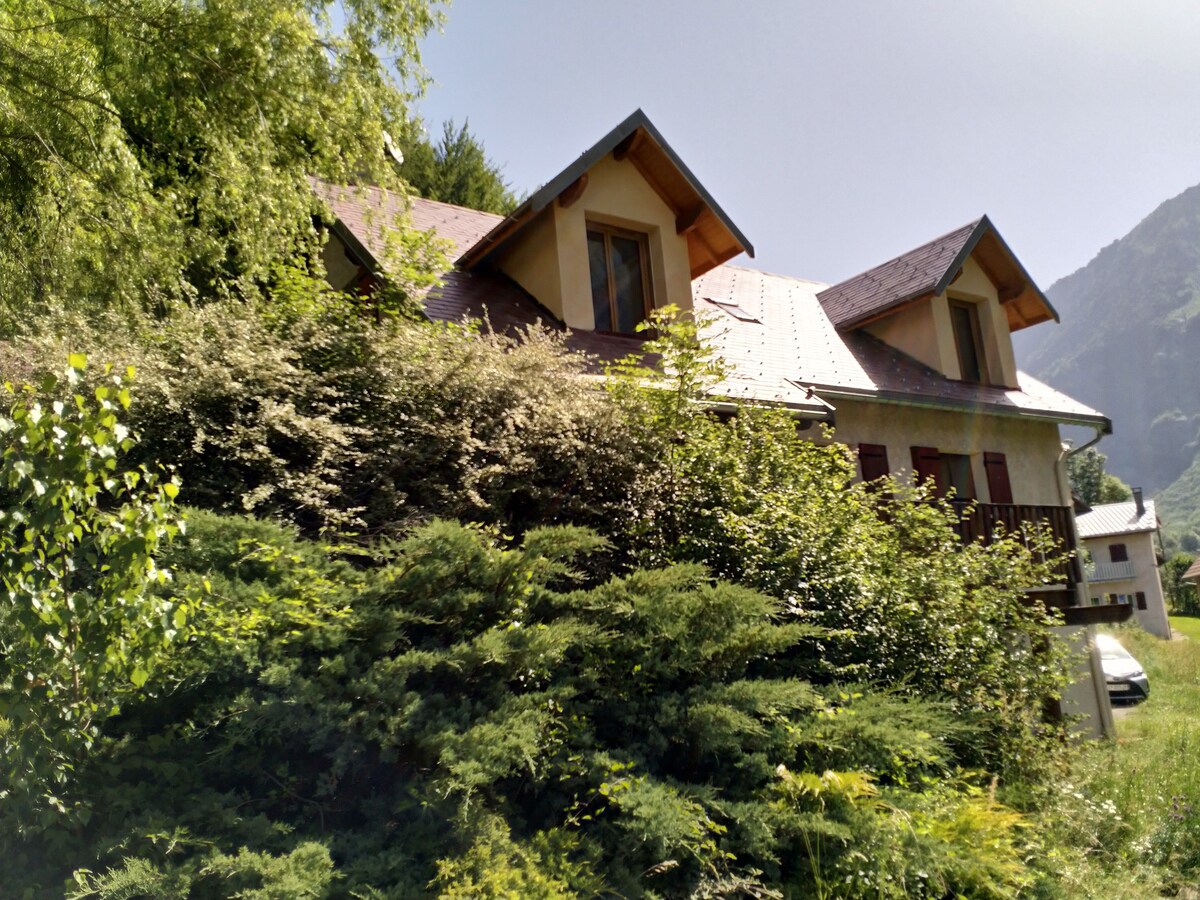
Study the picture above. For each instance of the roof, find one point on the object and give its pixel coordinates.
(712, 236)
(787, 345)
(929, 270)
(1107, 519)
(774, 331)
(1193, 572)
(366, 212)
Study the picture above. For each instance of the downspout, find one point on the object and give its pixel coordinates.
(1092, 443)
(1108, 727)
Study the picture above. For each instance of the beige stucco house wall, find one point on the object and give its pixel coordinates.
(550, 258)
(1032, 448)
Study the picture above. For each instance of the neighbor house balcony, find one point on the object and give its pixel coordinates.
(1099, 573)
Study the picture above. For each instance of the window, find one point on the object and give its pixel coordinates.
(949, 471)
(873, 460)
(956, 474)
(999, 487)
(1141, 599)
(1118, 553)
(619, 261)
(964, 317)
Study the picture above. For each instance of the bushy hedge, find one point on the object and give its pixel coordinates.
(474, 720)
(547, 712)
(309, 413)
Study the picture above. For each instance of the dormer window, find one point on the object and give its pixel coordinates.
(968, 340)
(620, 266)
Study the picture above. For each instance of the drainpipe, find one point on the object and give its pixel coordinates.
(1108, 727)
(1092, 443)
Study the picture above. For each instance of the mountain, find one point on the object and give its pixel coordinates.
(1129, 345)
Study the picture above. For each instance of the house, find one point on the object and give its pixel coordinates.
(1119, 537)
(1192, 575)
(911, 361)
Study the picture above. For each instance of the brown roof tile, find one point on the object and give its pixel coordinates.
(896, 281)
(367, 211)
(776, 331)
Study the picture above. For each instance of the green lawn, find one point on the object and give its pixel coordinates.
(1189, 625)
(1132, 806)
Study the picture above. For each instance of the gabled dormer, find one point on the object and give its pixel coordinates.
(952, 304)
(622, 230)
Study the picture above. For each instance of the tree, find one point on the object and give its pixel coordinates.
(160, 151)
(80, 630)
(1181, 595)
(1091, 483)
(455, 170)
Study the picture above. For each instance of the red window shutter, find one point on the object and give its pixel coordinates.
(1141, 599)
(872, 458)
(1118, 553)
(999, 487)
(927, 463)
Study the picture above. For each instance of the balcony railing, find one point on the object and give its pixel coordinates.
(984, 521)
(1110, 571)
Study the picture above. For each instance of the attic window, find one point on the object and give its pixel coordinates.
(731, 307)
(968, 340)
(620, 265)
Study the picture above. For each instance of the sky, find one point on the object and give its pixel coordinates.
(837, 134)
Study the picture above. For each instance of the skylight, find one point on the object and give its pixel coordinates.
(731, 307)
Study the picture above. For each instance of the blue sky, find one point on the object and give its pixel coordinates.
(839, 133)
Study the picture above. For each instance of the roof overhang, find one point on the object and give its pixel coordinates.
(1102, 423)
(712, 237)
(1023, 301)
(910, 279)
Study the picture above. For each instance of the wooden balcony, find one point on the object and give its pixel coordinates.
(983, 521)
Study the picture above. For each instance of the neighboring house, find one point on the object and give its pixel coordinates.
(911, 361)
(1125, 559)
(1192, 575)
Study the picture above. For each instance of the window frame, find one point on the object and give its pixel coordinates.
(643, 243)
(981, 362)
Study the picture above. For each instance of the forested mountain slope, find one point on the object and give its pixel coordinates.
(1128, 346)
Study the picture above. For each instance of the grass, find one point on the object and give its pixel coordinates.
(1129, 816)
(1189, 626)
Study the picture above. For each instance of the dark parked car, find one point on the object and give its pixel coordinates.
(1126, 679)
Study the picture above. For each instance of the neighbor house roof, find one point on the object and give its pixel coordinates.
(1193, 572)
(1107, 519)
(712, 237)
(929, 270)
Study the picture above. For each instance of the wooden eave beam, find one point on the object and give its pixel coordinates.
(1010, 292)
(686, 222)
(629, 145)
(1013, 311)
(573, 191)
